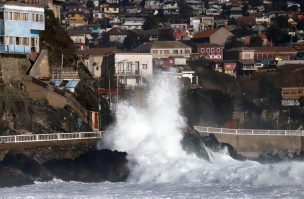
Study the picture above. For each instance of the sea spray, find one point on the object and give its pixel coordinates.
(151, 136)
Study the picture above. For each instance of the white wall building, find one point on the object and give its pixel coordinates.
(131, 23)
(133, 69)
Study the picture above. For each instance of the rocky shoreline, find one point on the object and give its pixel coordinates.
(87, 164)
(17, 169)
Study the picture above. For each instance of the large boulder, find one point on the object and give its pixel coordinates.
(92, 166)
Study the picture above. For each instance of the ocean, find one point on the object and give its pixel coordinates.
(160, 168)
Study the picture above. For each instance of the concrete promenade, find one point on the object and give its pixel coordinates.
(254, 142)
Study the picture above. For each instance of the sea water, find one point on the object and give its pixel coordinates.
(160, 168)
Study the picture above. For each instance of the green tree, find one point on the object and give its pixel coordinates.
(233, 42)
(243, 30)
(90, 4)
(256, 41)
(151, 22)
(255, 3)
(301, 101)
(57, 41)
(185, 10)
(281, 22)
(300, 24)
(277, 35)
(232, 21)
(166, 34)
(132, 40)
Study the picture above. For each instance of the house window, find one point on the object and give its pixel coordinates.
(212, 50)
(129, 66)
(1, 15)
(97, 68)
(187, 51)
(32, 41)
(208, 50)
(181, 51)
(16, 16)
(145, 66)
(11, 40)
(11, 16)
(1, 40)
(166, 51)
(246, 56)
(175, 51)
(218, 50)
(202, 50)
(154, 51)
(25, 41)
(18, 41)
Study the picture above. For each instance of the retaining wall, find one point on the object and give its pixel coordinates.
(255, 145)
(13, 67)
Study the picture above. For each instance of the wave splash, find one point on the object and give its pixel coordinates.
(151, 136)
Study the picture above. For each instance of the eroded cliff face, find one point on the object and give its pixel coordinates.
(20, 114)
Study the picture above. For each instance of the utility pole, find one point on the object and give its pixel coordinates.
(289, 118)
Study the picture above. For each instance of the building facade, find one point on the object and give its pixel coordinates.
(210, 51)
(133, 69)
(20, 25)
(165, 49)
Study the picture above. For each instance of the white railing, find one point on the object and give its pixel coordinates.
(51, 137)
(202, 129)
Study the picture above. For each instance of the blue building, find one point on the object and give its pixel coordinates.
(20, 25)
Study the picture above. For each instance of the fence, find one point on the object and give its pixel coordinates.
(50, 137)
(202, 129)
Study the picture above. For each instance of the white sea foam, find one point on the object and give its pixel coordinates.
(151, 136)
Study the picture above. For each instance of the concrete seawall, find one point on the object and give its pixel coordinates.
(255, 145)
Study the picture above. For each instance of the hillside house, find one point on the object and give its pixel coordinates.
(165, 49)
(170, 7)
(130, 23)
(20, 25)
(115, 35)
(133, 69)
(76, 18)
(210, 51)
(201, 23)
(94, 59)
(152, 5)
(214, 36)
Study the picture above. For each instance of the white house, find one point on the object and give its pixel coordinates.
(133, 69)
(201, 23)
(133, 23)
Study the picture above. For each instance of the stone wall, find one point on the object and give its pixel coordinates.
(255, 145)
(41, 68)
(13, 67)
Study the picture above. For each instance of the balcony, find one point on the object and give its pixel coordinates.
(13, 49)
(128, 73)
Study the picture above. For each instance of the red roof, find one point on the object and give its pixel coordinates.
(246, 20)
(116, 31)
(99, 51)
(274, 49)
(205, 33)
(207, 45)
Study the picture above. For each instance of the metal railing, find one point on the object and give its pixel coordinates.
(202, 129)
(50, 137)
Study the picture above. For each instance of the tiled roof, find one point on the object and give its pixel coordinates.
(146, 47)
(116, 31)
(205, 33)
(206, 45)
(275, 49)
(267, 49)
(98, 51)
